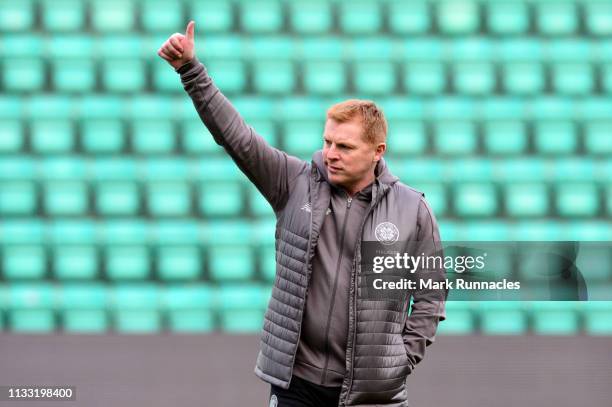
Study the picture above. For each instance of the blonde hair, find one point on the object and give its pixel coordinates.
(371, 116)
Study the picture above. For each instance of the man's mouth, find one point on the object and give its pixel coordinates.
(333, 169)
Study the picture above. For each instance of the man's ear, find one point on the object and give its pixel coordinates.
(380, 151)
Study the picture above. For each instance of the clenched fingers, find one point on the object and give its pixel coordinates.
(165, 56)
(169, 49)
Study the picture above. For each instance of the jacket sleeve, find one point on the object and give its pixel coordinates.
(268, 168)
(428, 307)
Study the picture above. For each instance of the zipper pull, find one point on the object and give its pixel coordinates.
(348, 202)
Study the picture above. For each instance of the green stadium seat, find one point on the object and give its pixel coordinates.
(258, 206)
(303, 138)
(267, 262)
(555, 137)
(16, 16)
(211, 17)
(31, 308)
(156, 16)
(126, 47)
(435, 194)
(502, 318)
(455, 137)
(23, 75)
(23, 262)
(17, 198)
(117, 198)
(242, 307)
(273, 77)
(21, 46)
(229, 75)
(231, 263)
(406, 137)
(523, 78)
(220, 199)
(310, 17)
(100, 136)
(63, 15)
(525, 200)
(221, 48)
(190, 308)
(218, 169)
(168, 199)
(121, 76)
(196, 139)
(409, 18)
(11, 136)
(574, 79)
(73, 75)
(322, 48)
(112, 16)
(359, 17)
(505, 137)
(506, 18)
(594, 262)
(324, 77)
(127, 263)
(52, 136)
(555, 317)
(65, 198)
(458, 17)
(261, 17)
(597, 138)
(165, 78)
(474, 78)
(577, 200)
(374, 78)
(75, 262)
(426, 78)
(153, 137)
(556, 18)
(598, 17)
(83, 308)
(266, 129)
(598, 317)
(472, 200)
(136, 308)
(608, 198)
(179, 263)
(459, 319)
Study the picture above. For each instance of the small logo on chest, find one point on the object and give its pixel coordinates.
(386, 233)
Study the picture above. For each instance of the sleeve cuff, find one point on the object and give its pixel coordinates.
(188, 67)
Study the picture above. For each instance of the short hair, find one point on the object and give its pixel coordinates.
(371, 116)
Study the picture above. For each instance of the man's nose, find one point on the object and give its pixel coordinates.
(332, 153)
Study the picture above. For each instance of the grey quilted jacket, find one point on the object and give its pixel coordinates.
(385, 340)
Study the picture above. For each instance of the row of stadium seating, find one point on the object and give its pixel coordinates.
(396, 108)
(312, 49)
(237, 262)
(452, 17)
(115, 137)
(197, 308)
(125, 76)
(211, 200)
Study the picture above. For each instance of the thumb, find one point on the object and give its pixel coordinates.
(189, 32)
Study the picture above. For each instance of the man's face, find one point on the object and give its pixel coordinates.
(350, 160)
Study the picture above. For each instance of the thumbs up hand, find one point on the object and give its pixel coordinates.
(178, 48)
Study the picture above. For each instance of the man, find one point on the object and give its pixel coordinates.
(325, 342)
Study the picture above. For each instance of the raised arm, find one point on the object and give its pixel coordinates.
(270, 169)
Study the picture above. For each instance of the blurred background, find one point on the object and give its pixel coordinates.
(120, 215)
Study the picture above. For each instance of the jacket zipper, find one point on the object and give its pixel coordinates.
(333, 297)
(375, 201)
